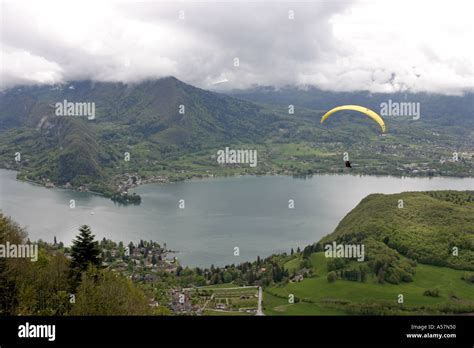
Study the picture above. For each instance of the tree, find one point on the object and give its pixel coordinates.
(102, 292)
(9, 232)
(381, 276)
(307, 252)
(85, 250)
(43, 286)
(227, 277)
(31, 288)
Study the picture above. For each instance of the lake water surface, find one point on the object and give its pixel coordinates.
(220, 213)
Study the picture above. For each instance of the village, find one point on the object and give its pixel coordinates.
(141, 262)
(148, 263)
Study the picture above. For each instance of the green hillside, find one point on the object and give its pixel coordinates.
(144, 120)
(316, 296)
(150, 109)
(425, 229)
(417, 244)
(172, 131)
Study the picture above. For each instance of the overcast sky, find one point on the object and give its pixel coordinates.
(380, 46)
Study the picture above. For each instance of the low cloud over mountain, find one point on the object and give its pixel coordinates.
(384, 46)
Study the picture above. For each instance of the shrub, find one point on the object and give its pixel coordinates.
(468, 277)
(431, 293)
(332, 277)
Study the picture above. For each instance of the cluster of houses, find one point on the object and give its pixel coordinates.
(129, 180)
(142, 262)
(181, 303)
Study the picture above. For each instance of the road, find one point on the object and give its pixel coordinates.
(260, 295)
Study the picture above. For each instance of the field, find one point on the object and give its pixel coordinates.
(225, 299)
(319, 297)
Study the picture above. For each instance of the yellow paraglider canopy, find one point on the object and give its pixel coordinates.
(373, 115)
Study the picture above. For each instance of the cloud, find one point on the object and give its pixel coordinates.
(343, 45)
(25, 68)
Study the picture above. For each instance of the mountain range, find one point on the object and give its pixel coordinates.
(172, 130)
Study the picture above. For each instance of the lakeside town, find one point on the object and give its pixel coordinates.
(156, 268)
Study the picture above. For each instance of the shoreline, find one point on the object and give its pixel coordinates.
(410, 186)
(216, 176)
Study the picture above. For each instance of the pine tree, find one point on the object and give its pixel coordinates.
(85, 250)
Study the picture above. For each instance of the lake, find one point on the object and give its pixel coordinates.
(247, 212)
